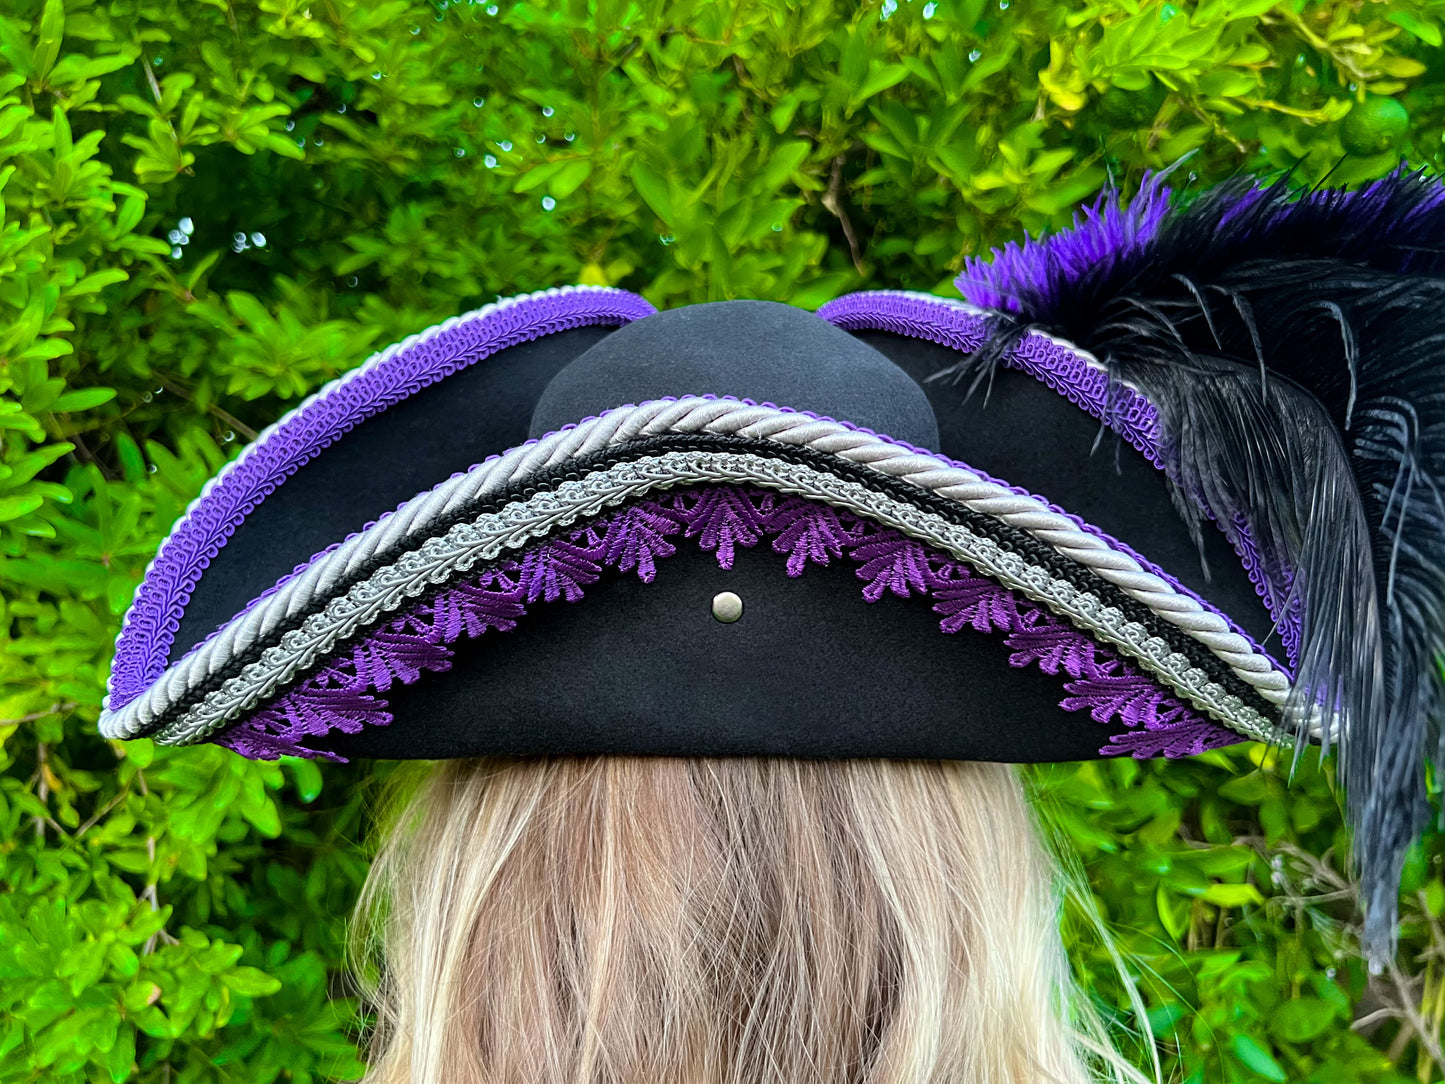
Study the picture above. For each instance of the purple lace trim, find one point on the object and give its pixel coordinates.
(1114, 543)
(343, 694)
(145, 641)
(1064, 370)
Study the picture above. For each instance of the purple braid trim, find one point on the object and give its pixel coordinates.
(1067, 371)
(386, 379)
(1061, 367)
(1273, 580)
(343, 693)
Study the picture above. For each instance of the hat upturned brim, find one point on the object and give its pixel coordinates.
(388, 570)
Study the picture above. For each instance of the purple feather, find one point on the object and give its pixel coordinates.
(1107, 232)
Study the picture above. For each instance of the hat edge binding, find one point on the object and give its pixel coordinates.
(900, 455)
(150, 622)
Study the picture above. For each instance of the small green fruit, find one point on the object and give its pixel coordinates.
(1374, 126)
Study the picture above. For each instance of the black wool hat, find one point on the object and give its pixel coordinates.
(570, 523)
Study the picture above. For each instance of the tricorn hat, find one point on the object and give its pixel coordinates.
(570, 523)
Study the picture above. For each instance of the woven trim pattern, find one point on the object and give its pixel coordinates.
(346, 694)
(283, 448)
(1073, 373)
(490, 537)
(726, 417)
(1035, 552)
(1142, 561)
(411, 526)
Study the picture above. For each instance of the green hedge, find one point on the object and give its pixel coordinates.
(209, 208)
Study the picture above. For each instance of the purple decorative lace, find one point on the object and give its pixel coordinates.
(1088, 387)
(144, 644)
(945, 331)
(344, 693)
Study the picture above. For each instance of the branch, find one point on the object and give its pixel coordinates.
(149, 895)
(102, 811)
(835, 206)
(226, 416)
(54, 709)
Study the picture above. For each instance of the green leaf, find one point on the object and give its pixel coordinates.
(119, 1060)
(654, 190)
(786, 157)
(1250, 789)
(1435, 898)
(82, 399)
(128, 454)
(1422, 28)
(1256, 1058)
(307, 776)
(277, 143)
(251, 981)
(21, 504)
(569, 178)
(132, 208)
(77, 69)
(26, 467)
(251, 311)
(263, 817)
(1171, 914)
(1162, 1020)
(1302, 1019)
(133, 861)
(97, 280)
(537, 176)
(47, 48)
(1232, 895)
(880, 78)
(1228, 83)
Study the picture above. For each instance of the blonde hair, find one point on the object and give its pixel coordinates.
(719, 920)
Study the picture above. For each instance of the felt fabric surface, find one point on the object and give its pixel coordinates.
(811, 669)
(759, 350)
(388, 459)
(525, 389)
(1030, 436)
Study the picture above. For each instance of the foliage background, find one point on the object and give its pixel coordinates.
(208, 208)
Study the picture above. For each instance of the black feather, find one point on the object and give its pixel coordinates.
(1294, 345)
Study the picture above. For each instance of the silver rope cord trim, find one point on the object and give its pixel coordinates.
(410, 525)
(388, 589)
(328, 389)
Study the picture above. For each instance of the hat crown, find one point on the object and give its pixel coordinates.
(765, 351)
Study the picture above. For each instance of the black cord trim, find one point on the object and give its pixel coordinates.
(1008, 538)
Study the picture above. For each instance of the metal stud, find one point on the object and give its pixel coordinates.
(726, 606)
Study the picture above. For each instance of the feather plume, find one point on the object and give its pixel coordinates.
(1294, 345)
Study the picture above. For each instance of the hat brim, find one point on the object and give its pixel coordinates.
(1165, 671)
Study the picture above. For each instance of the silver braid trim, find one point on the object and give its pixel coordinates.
(328, 389)
(491, 535)
(411, 524)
